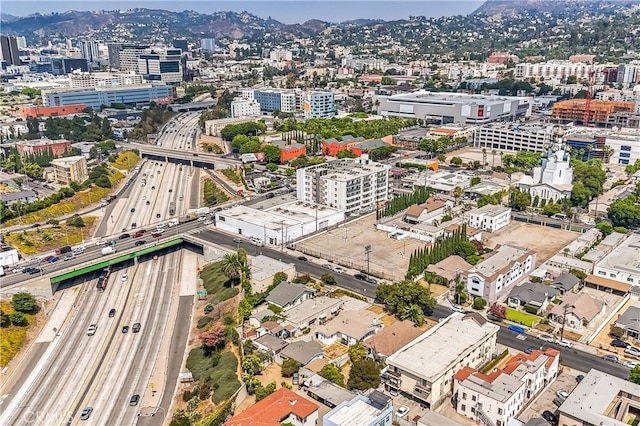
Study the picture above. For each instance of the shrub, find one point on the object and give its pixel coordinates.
(202, 322)
(18, 318)
(531, 309)
(617, 332)
(479, 303)
(225, 391)
(24, 302)
(289, 366)
(200, 364)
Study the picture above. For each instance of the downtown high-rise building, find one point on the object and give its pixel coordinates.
(9, 49)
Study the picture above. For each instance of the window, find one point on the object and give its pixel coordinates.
(463, 407)
(473, 397)
(630, 279)
(625, 155)
(464, 396)
(499, 412)
(625, 148)
(221, 218)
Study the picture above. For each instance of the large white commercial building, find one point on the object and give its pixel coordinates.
(279, 225)
(512, 137)
(445, 107)
(241, 107)
(161, 65)
(554, 70)
(622, 263)
(349, 184)
(280, 55)
(87, 80)
(373, 410)
(129, 95)
(490, 218)
(424, 369)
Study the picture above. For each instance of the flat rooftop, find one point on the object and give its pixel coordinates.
(274, 218)
(264, 267)
(500, 389)
(355, 413)
(440, 347)
(311, 308)
(625, 257)
(499, 259)
(444, 98)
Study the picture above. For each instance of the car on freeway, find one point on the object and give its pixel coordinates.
(102, 243)
(156, 234)
(158, 215)
(125, 329)
(136, 327)
(134, 400)
(33, 271)
(564, 343)
(302, 258)
(338, 270)
(617, 343)
(78, 250)
(112, 312)
(46, 259)
(550, 417)
(546, 338)
(141, 242)
(133, 210)
(529, 350)
(361, 277)
(18, 269)
(92, 330)
(124, 277)
(630, 364)
(123, 236)
(153, 187)
(402, 411)
(516, 328)
(53, 259)
(26, 270)
(86, 413)
(562, 394)
(328, 266)
(579, 378)
(69, 257)
(632, 351)
(148, 202)
(610, 358)
(33, 260)
(134, 225)
(237, 240)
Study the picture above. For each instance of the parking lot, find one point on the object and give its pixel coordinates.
(566, 381)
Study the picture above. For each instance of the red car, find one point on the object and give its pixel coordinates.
(156, 235)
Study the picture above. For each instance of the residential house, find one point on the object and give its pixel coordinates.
(301, 351)
(535, 295)
(270, 343)
(499, 396)
(560, 263)
(349, 328)
(566, 283)
(506, 266)
(263, 268)
(452, 268)
(275, 329)
(287, 295)
(472, 233)
(426, 212)
(26, 196)
(600, 399)
(391, 338)
(629, 321)
(326, 392)
(424, 368)
(577, 311)
(282, 406)
(256, 319)
(622, 263)
(373, 410)
(490, 218)
(313, 312)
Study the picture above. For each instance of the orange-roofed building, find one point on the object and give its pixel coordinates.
(282, 406)
(499, 396)
(50, 111)
(290, 150)
(333, 146)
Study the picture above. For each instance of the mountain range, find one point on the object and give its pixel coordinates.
(153, 25)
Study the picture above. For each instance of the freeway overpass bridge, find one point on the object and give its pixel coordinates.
(199, 159)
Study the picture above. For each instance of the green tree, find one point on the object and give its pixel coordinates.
(271, 153)
(479, 303)
(5, 321)
(634, 375)
(465, 249)
(413, 313)
(232, 266)
(333, 374)
(625, 212)
(18, 318)
(251, 364)
(456, 161)
(271, 167)
(346, 153)
(552, 208)
(475, 180)
(244, 309)
(264, 391)
(364, 374)
(24, 302)
(520, 200)
(328, 278)
(605, 227)
(358, 352)
(289, 366)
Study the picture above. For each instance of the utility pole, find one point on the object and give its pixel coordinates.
(566, 309)
(367, 251)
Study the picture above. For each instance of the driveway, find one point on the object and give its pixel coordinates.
(565, 381)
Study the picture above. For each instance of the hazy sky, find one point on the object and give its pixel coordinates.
(294, 11)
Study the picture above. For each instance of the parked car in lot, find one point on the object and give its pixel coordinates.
(562, 394)
(402, 411)
(295, 379)
(517, 328)
(550, 417)
(632, 351)
(630, 364)
(564, 343)
(617, 343)
(610, 358)
(545, 337)
(457, 308)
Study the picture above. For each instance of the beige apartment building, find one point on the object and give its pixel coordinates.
(70, 168)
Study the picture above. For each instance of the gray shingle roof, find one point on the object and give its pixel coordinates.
(287, 293)
(303, 352)
(532, 292)
(565, 282)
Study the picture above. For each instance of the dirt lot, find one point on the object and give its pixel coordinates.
(545, 241)
(389, 257)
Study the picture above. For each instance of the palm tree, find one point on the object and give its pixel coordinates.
(493, 158)
(457, 193)
(501, 155)
(412, 313)
(232, 267)
(608, 152)
(484, 157)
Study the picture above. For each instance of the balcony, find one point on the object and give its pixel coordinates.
(422, 392)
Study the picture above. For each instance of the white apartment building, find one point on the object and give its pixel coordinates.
(622, 263)
(280, 55)
(349, 184)
(373, 410)
(319, 104)
(506, 266)
(241, 107)
(625, 144)
(555, 70)
(69, 169)
(490, 218)
(424, 369)
(100, 79)
(498, 397)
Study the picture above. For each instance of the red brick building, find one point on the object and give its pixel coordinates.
(333, 146)
(50, 111)
(40, 146)
(292, 151)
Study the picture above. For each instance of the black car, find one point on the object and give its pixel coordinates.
(141, 242)
(579, 378)
(112, 313)
(133, 210)
(35, 271)
(550, 417)
(125, 329)
(361, 277)
(123, 236)
(302, 258)
(617, 343)
(27, 270)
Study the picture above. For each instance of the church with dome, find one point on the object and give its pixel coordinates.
(552, 179)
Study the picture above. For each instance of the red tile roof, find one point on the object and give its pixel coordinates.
(464, 373)
(274, 409)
